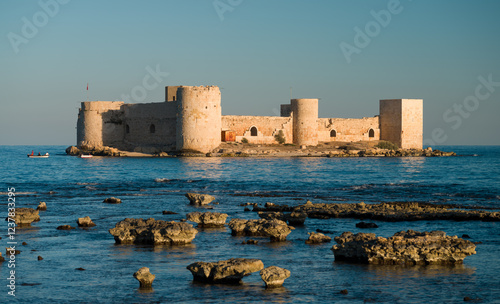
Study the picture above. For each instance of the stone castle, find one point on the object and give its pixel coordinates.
(190, 119)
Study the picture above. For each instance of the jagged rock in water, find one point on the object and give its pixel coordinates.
(274, 276)
(73, 151)
(207, 219)
(26, 216)
(317, 238)
(42, 206)
(144, 277)
(1, 258)
(112, 200)
(275, 229)
(199, 199)
(293, 218)
(85, 222)
(366, 225)
(296, 218)
(151, 231)
(228, 272)
(403, 248)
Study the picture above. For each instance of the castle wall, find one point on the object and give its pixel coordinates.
(267, 127)
(305, 121)
(149, 126)
(198, 125)
(96, 125)
(348, 129)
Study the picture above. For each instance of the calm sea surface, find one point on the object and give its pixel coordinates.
(73, 187)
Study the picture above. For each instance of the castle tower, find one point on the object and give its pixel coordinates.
(305, 121)
(401, 122)
(198, 125)
(90, 129)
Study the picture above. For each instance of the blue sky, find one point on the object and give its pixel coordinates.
(255, 50)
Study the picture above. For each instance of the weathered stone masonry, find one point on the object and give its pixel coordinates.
(190, 120)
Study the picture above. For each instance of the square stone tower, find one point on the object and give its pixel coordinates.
(401, 122)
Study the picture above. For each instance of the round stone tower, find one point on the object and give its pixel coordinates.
(198, 126)
(305, 121)
(89, 127)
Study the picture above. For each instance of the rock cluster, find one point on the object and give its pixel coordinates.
(317, 238)
(199, 199)
(395, 211)
(151, 231)
(403, 248)
(207, 219)
(293, 218)
(144, 277)
(275, 229)
(42, 206)
(227, 272)
(97, 151)
(112, 200)
(85, 222)
(274, 276)
(26, 216)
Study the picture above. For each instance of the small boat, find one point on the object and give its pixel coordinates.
(86, 156)
(46, 155)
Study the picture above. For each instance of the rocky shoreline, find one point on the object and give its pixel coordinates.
(235, 149)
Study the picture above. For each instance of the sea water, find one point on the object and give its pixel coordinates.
(73, 187)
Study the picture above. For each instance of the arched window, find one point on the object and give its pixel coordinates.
(333, 133)
(253, 131)
(152, 128)
(371, 133)
(127, 129)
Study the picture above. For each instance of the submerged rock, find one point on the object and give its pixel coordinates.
(403, 248)
(85, 222)
(317, 238)
(274, 276)
(65, 227)
(199, 199)
(227, 272)
(26, 216)
(207, 219)
(144, 277)
(275, 229)
(365, 225)
(112, 200)
(41, 206)
(151, 231)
